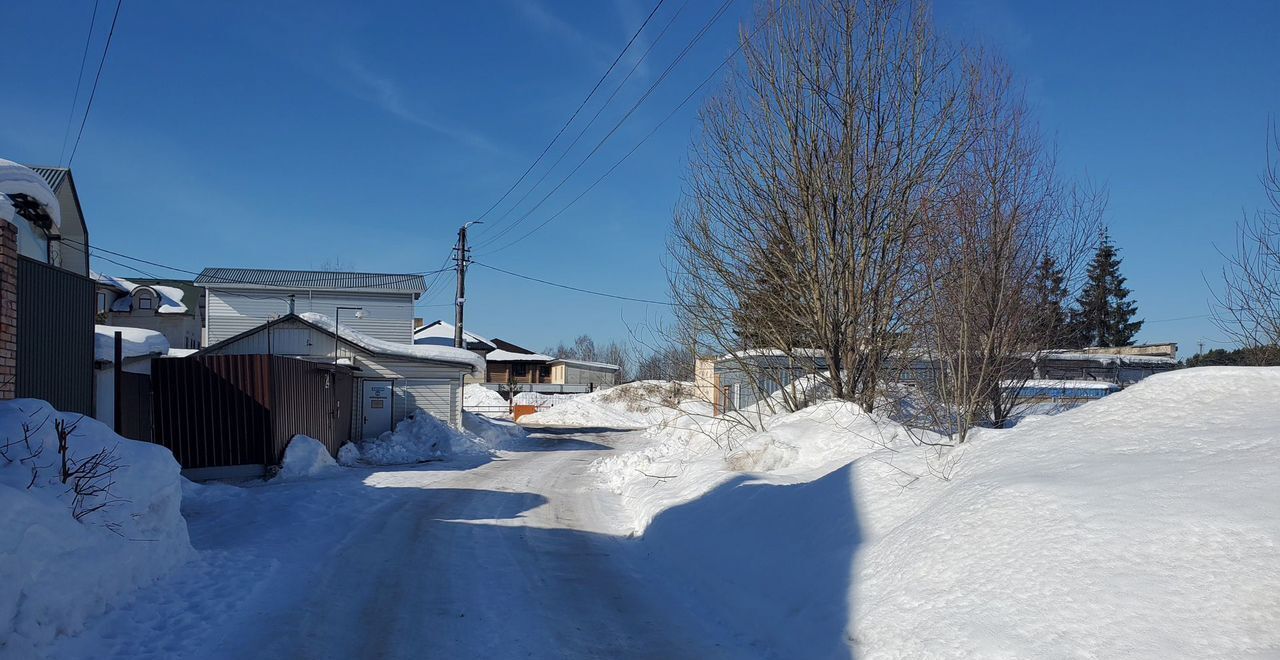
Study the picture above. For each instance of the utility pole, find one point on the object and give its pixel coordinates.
(462, 257)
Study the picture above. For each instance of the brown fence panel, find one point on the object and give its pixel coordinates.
(55, 336)
(134, 391)
(312, 399)
(214, 410)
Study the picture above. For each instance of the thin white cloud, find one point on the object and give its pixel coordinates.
(385, 92)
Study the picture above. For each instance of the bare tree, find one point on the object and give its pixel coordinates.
(801, 225)
(1001, 216)
(1248, 308)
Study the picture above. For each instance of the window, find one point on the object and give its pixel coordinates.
(519, 370)
(144, 300)
(102, 302)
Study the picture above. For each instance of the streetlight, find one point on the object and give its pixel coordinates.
(359, 314)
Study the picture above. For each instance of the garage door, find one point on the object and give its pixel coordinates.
(437, 397)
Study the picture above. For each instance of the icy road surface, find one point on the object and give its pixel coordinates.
(517, 557)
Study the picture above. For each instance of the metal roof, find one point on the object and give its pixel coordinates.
(312, 279)
(54, 176)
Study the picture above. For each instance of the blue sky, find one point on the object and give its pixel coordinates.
(302, 134)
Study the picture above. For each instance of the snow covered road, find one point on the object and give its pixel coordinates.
(516, 557)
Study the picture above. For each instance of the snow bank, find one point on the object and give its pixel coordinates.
(55, 571)
(415, 351)
(630, 406)
(135, 342)
(488, 402)
(1140, 525)
(305, 457)
(493, 433)
(417, 438)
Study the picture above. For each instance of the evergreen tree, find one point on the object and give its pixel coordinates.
(1050, 297)
(1103, 313)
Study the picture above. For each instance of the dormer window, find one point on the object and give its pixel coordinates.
(145, 301)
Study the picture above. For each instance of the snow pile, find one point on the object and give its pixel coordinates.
(631, 406)
(305, 457)
(134, 342)
(492, 433)
(484, 400)
(20, 179)
(1140, 525)
(542, 399)
(56, 571)
(417, 438)
(382, 346)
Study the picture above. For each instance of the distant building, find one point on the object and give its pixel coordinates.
(174, 308)
(581, 372)
(240, 299)
(509, 363)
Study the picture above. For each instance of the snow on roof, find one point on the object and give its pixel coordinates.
(181, 352)
(511, 356)
(774, 352)
(585, 363)
(439, 332)
(170, 296)
(20, 179)
(1050, 384)
(135, 342)
(414, 351)
(1103, 358)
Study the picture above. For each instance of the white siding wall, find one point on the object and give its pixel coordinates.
(388, 316)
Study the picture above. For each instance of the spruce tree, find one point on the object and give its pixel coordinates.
(1103, 313)
(1050, 297)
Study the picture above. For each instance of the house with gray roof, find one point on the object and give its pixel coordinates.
(377, 304)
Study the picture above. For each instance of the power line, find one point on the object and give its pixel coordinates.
(648, 92)
(575, 112)
(94, 90)
(650, 134)
(599, 111)
(66, 132)
(572, 288)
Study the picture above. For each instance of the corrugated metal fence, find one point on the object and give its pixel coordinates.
(228, 410)
(55, 336)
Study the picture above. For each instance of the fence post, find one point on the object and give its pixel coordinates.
(117, 368)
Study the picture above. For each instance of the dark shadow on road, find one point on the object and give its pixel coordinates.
(774, 560)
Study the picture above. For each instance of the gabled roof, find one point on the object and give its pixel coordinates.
(512, 348)
(371, 345)
(312, 279)
(54, 176)
(440, 333)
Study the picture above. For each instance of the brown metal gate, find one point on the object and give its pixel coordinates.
(228, 410)
(134, 391)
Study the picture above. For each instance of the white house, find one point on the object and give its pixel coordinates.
(392, 379)
(241, 299)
